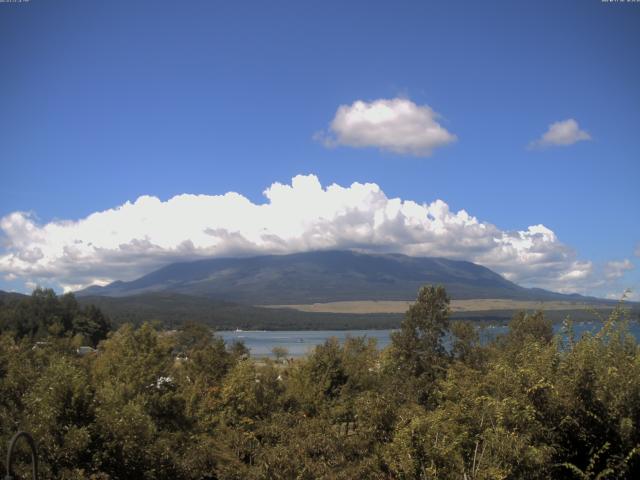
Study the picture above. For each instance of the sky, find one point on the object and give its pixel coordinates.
(138, 133)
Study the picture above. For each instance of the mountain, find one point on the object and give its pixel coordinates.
(8, 296)
(323, 276)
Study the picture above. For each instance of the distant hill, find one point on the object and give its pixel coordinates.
(173, 309)
(227, 293)
(324, 276)
(7, 296)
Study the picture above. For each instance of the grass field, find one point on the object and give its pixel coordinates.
(478, 305)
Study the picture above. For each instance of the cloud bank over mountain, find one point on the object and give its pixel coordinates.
(136, 237)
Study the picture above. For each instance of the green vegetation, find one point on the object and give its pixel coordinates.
(468, 305)
(172, 310)
(44, 315)
(280, 353)
(186, 406)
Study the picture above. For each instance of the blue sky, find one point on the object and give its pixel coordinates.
(104, 102)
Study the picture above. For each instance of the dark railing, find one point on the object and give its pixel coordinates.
(34, 455)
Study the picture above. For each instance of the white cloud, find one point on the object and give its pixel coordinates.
(616, 269)
(563, 133)
(397, 125)
(135, 238)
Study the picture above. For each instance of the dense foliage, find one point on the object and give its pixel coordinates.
(172, 310)
(44, 315)
(156, 405)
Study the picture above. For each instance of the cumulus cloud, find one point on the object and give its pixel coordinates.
(561, 134)
(137, 237)
(616, 269)
(396, 125)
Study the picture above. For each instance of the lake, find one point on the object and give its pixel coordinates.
(301, 342)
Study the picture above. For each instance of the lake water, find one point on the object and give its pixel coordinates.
(301, 342)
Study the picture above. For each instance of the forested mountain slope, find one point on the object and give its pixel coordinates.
(324, 276)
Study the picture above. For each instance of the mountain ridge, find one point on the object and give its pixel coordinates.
(324, 276)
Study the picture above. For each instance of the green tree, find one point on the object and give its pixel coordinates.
(526, 327)
(59, 413)
(44, 314)
(280, 353)
(417, 349)
(193, 335)
(137, 407)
